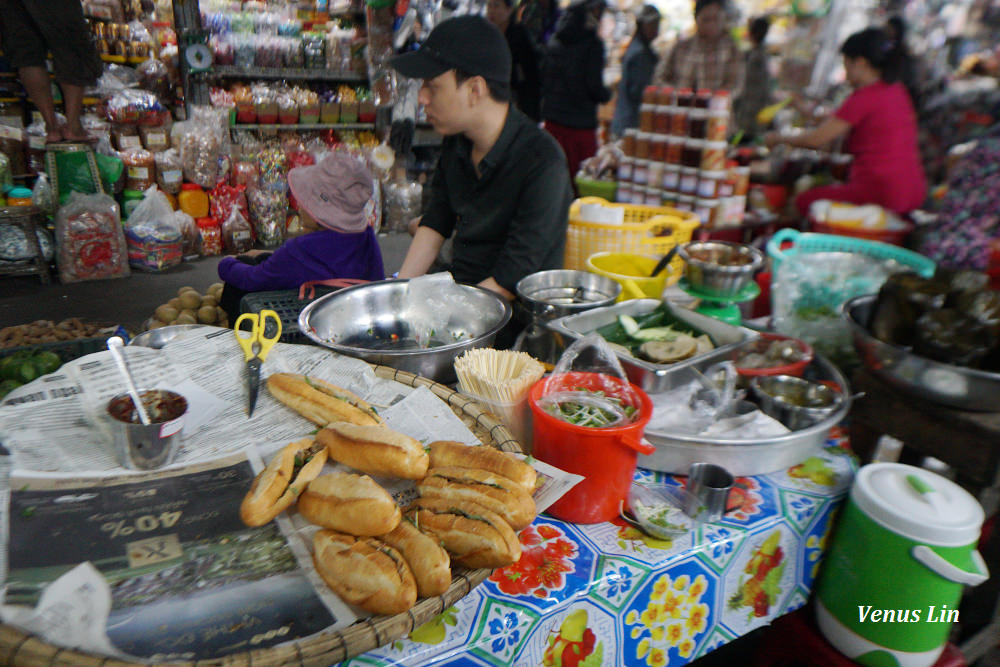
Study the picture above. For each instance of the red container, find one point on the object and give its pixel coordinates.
(606, 457)
(761, 344)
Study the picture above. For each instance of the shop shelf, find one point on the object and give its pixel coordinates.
(305, 126)
(285, 73)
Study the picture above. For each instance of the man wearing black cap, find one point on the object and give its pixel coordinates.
(501, 186)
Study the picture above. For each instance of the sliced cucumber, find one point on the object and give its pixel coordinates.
(630, 326)
(656, 333)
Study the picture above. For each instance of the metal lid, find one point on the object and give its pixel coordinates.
(565, 287)
(918, 504)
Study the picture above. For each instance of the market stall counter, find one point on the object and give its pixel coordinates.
(602, 593)
(608, 594)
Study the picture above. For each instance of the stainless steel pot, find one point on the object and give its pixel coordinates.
(715, 278)
(935, 381)
(377, 323)
(561, 292)
(794, 402)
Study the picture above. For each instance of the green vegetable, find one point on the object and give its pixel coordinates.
(630, 326)
(46, 362)
(8, 367)
(666, 333)
(8, 386)
(25, 372)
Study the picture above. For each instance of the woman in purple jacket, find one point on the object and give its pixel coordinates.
(335, 198)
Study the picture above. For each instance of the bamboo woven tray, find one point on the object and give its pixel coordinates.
(20, 649)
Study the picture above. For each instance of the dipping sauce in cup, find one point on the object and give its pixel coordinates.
(146, 447)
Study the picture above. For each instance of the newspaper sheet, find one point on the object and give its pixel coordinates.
(58, 424)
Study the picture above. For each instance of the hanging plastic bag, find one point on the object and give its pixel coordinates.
(89, 239)
(42, 195)
(190, 236)
(154, 241)
(589, 387)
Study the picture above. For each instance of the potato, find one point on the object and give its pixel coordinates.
(189, 312)
(220, 316)
(156, 324)
(186, 317)
(206, 315)
(186, 288)
(216, 286)
(209, 300)
(190, 301)
(166, 314)
(175, 303)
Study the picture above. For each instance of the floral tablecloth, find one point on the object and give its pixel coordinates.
(607, 594)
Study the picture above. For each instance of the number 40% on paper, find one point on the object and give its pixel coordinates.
(144, 524)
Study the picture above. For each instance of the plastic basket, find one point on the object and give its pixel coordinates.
(810, 242)
(288, 305)
(649, 231)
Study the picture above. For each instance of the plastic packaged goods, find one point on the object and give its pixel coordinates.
(126, 137)
(169, 170)
(273, 166)
(224, 198)
(200, 156)
(130, 105)
(237, 234)
(90, 239)
(190, 236)
(211, 237)
(153, 236)
(193, 200)
(268, 213)
(140, 169)
(154, 139)
(43, 196)
(245, 173)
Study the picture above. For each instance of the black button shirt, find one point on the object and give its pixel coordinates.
(510, 221)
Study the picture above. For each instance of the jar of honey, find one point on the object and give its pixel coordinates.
(679, 121)
(650, 95)
(642, 145)
(675, 149)
(665, 96)
(629, 141)
(658, 148)
(661, 119)
(646, 112)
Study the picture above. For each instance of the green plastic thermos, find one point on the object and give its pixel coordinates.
(905, 545)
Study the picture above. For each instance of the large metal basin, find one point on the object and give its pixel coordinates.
(377, 323)
(675, 453)
(935, 381)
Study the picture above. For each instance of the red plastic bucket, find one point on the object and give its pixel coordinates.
(606, 457)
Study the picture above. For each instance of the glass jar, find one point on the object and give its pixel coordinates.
(646, 114)
(624, 194)
(706, 210)
(668, 199)
(688, 184)
(697, 123)
(654, 177)
(672, 178)
(679, 121)
(702, 98)
(658, 148)
(685, 203)
(642, 145)
(685, 98)
(709, 184)
(640, 175)
(650, 95)
(625, 169)
(629, 142)
(661, 119)
(675, 150)
(691, 153)
(652, 197)
(721, 101)
(665, 97)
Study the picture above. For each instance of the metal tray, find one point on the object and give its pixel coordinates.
(676, 453)
(656, 378)
(934, 381)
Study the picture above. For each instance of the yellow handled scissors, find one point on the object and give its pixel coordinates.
(256, 343)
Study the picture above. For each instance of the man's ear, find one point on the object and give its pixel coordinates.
(478, 90)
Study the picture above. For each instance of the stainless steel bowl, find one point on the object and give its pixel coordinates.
(715, 277)
(795, 402)
(376, 323)
(935, 381)
(157, 338)
(561, 292)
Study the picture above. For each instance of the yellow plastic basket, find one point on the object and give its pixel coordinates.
(649, 231)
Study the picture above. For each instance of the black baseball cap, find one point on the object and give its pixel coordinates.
(468, 43)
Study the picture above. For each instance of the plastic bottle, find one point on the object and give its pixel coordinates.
(193, 200)
(19, 197)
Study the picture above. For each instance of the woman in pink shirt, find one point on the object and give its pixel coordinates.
(881, 129)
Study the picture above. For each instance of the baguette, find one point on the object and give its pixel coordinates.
(472, 534)
(375, 449)
(348, 503)
(494, 492)
(320, 402)
(365, 572)
(427, 559)
(447, 454)
(282, 480)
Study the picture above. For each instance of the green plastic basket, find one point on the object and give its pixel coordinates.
(810, 242)
(288, 305)
(603, 189)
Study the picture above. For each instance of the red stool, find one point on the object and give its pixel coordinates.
(794, 640)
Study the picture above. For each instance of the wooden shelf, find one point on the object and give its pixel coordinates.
(285, 73)
(304, 126)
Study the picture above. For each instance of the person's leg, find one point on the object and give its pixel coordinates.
(73, 103)
(39, 88)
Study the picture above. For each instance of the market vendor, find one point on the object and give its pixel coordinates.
(708, 59)
(881, 130)
(501, 187)
(334, 198)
